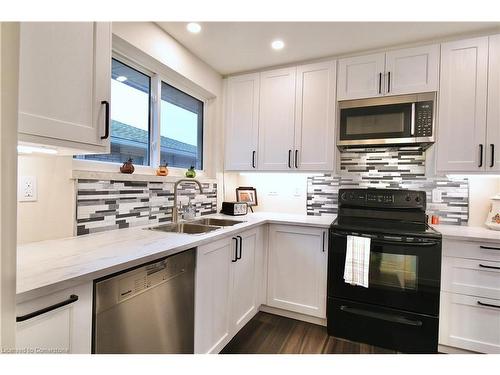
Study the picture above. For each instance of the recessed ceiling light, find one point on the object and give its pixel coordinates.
(121, 78)
(193, 27)
(277, 44)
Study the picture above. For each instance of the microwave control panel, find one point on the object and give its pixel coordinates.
(423, 119)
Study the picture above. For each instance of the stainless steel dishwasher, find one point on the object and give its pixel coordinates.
(147, 309)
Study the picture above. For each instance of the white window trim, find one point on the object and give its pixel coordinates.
(154, 150)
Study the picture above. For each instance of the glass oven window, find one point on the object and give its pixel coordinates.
(393, 271)
(374, 124)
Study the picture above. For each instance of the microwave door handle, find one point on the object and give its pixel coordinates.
(412, 123)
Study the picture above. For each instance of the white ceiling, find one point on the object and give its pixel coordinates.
(231, 47)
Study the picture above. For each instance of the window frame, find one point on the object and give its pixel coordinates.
(154, 151)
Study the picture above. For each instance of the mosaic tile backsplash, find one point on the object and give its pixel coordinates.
(392, 168)
(106, 205)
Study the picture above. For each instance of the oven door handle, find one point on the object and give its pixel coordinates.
(387, 242)
(381, 316)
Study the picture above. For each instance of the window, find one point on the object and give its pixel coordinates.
(134, 121)
(130, 116)
(181, 128)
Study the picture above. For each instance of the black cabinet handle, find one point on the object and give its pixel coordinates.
(253, 159)
(296, 158)
(491, 267)
(488, 305)
(381, 316)
(480, 156)
(241, 248)
(492, 163)
(289, 158)
(72, 298)
(380, 83)
(323, 241)
(106, 127)
(489, 248)
(235, 251)
(389, 82)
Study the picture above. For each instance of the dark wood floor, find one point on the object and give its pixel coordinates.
(273, 334)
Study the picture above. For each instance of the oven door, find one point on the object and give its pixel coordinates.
(404, 273)
(379, 124)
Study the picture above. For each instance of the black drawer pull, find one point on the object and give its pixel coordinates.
(488, 305)
(241, 248)
(72, 298)
(489, 248)
(381, 316)
(389, 82)
(253, 159)
(106, 127)
(380, 83)
(492, 164)
(235, 251)
(480, 156)
(289, 158)
(324, 241)
(492, 267)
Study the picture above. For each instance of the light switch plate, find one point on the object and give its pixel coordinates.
(437, 196)
(27, 189)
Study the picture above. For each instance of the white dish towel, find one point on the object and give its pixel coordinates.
(357, 261)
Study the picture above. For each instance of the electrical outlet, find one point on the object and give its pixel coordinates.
(26, 189)
(437, 196)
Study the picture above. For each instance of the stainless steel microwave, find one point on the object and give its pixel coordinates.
(394, 120)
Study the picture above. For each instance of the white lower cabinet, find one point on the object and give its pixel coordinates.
(228, 274)
(63, 329)
(297, 269)
(469, 317)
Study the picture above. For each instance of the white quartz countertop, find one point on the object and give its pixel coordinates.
(46, 266)
(468, 233)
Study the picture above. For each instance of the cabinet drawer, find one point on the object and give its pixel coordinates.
(471, 276)
(466, 324)
(489, 251)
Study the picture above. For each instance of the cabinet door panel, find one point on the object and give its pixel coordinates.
(359, 77)
(297, 269)
(64, 75)
(315, 117)
(67, 329)
(493, 122)
(212, 298)
(242, 120)
(244, 292)
(412, 70)
(462, 106)
(276, 119)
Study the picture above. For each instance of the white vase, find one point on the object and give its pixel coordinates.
(493, 219)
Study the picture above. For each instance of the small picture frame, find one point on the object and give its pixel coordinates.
(247, 194)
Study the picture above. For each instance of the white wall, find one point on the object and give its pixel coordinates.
(53, 214)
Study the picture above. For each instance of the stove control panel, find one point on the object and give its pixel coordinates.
(386, 198)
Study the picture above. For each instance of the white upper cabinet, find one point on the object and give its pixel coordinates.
(412, 70)
(462, 106)
(277, 119)
(64, 80)
(315, 117)
(493, 115)
(361, 77)
(242, 121)
(403, 71)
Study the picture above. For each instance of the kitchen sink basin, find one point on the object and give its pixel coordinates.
(187, 228)
(217, 222)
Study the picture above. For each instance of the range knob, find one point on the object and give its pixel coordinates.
(343, 196)
(417, 199)
(408, 198)
(351, 196)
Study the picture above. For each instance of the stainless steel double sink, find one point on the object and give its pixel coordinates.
(198, 226)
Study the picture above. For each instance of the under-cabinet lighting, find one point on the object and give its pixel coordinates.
(193, 27)
(278, 44)
(121, 78)
(37, 150)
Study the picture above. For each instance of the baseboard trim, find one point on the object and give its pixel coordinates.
(451, 350)
(293, 315)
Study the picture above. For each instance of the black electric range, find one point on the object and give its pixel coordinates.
(400, 307)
